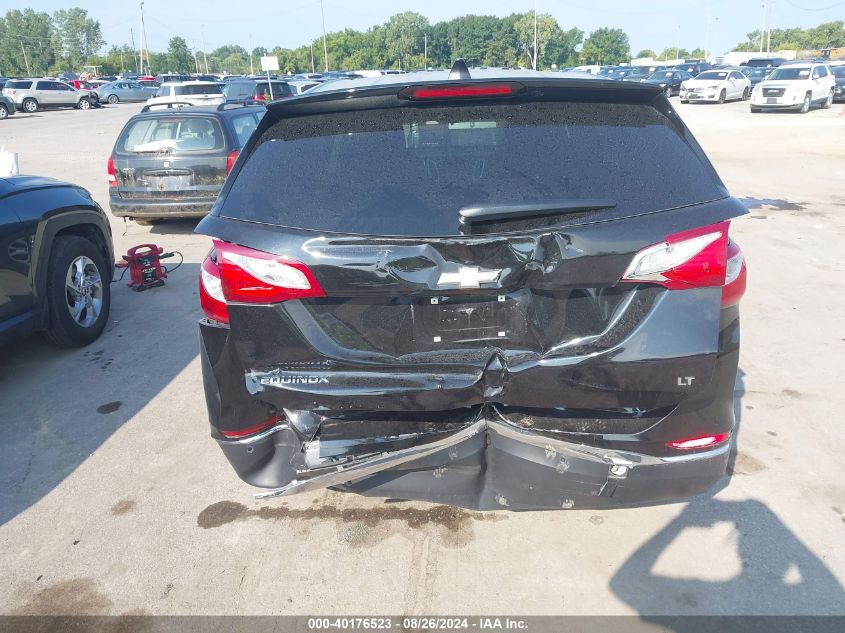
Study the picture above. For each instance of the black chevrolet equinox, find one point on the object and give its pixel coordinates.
(508, 290)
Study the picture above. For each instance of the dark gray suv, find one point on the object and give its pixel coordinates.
(171, 163)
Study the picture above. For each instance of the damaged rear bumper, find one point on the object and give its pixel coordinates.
(488, 464)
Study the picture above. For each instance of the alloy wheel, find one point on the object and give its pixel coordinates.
(84, 291)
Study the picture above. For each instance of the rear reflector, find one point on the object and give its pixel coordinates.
(111, 172)
(462, 91)
(255, 428)
(700, 441)
(251, 276)
(690, 259)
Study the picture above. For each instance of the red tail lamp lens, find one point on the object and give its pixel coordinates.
(461, 91)
(699, 441)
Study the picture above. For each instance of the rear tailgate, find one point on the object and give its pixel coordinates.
(428, 319)
(170, 156)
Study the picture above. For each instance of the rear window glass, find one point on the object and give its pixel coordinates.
(202, 89)
(409, 171)
(279, 88)
(19, 85)
(170, 133)
(244, 125)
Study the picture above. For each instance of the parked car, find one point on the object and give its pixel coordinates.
(839, 77)
(7, 107)
(56, 261)
(669, 80)
(624, 72)
(250, 90)
(79, 85)
(31, 95)
(393, 309)
(172, 78)
(693, 68)
(716, 85)
(199, 93)
(299, 86)
(795, 87)
(118, 91)
(755, 75)
(764, 62)
(171, 163)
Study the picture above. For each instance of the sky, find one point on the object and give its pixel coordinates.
(654, 24)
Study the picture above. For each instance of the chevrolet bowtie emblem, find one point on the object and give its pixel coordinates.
(468, 277)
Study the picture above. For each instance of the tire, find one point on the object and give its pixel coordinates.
(746, 94)
(78, 292)
(668, 92)
(755, 110)
(147, 221)
(113, 99)
(4, 112)
(83, 104)
(722, 96)
(684, 100)
(30, 105)
(805, 106)
(825, 106)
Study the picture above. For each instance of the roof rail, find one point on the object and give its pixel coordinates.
(459, 70)
(167, 105)
(239, 104)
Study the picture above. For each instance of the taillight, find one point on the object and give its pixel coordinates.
(699, 441)
(689, 259)
(462, 91)
(251, 276)
(735, 276)
(230, 161)
(111, 172)
(212, 301)
(254, 429)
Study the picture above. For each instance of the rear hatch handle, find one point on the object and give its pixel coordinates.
(486, 213)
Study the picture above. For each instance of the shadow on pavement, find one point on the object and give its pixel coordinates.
(57, 407)
(777, 574)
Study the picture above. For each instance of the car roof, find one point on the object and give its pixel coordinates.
(428, 76)
(198, 111)
(189, 83)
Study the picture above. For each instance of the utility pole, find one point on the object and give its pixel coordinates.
(425, 51)
(251, 71)
(313, 70)
(763, 30)
(132, 37)
(196, 61)
(535, 35)
(204, 56)
(25, 59)
(769, 26)
(141, 47)
(325, 47)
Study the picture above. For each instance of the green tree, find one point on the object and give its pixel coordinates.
(560, 49)
(547, 28)
(698, 53)
(646, 52)
(75, 38)
(27, 31)
(674, 53)
(404, 38)
(179, 58)
(606, 46)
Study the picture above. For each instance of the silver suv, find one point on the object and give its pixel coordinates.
(31, 95)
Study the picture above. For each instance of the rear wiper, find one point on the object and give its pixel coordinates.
(485, 213)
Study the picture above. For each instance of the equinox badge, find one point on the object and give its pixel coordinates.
(468, 277)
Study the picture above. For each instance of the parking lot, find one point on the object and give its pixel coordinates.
(114, 500)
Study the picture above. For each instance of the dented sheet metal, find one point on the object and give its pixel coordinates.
(491, 464)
